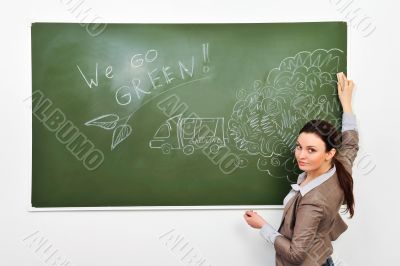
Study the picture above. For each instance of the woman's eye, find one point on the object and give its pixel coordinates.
(310, 150)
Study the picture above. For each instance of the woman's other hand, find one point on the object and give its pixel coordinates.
(345, 90)
(254, 220)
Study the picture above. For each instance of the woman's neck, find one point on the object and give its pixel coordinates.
(310, 175)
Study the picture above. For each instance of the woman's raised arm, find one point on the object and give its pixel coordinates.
(348, 149)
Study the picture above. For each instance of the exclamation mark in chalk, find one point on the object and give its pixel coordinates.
(206, 58)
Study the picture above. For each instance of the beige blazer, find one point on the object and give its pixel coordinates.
(310, 223)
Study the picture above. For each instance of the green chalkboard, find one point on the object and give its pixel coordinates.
(176, 114)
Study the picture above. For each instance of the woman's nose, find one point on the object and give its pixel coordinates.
(302, 154)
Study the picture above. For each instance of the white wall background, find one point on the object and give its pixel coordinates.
(221, 237)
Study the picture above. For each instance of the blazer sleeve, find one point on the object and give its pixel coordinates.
(295, 250)
(348, 149)
(338, 228)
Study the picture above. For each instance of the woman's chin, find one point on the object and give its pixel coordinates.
(303, 167)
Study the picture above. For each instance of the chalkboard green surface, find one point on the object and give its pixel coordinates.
(177, 114)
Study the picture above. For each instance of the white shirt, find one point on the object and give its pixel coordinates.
(304, 189)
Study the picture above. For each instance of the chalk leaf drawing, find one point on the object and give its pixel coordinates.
(120, 133)
(108, 121)
(266, 118)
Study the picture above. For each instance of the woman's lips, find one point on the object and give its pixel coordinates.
(302, 163)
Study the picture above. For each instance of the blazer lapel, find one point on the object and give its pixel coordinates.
(287, 207)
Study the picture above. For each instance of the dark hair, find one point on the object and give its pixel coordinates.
(332, 139)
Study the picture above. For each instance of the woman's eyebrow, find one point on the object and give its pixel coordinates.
(307, 146)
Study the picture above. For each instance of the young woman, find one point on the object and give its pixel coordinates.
(310, 219)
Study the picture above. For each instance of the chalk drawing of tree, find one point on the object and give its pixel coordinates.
(267, 117)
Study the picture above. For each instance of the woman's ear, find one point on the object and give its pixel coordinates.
(330, 154)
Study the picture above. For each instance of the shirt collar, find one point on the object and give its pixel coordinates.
(314, 183)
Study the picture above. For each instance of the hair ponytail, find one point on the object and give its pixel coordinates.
(346, 183)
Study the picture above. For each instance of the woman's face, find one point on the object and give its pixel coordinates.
(310, 152)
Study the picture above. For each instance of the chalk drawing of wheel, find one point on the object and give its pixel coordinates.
(166, 148)
(241, 162)
(214, 148)
(188, 149)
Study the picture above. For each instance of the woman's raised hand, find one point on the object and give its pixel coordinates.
(345, 91)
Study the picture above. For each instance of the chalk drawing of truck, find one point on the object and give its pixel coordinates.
(188, 134)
